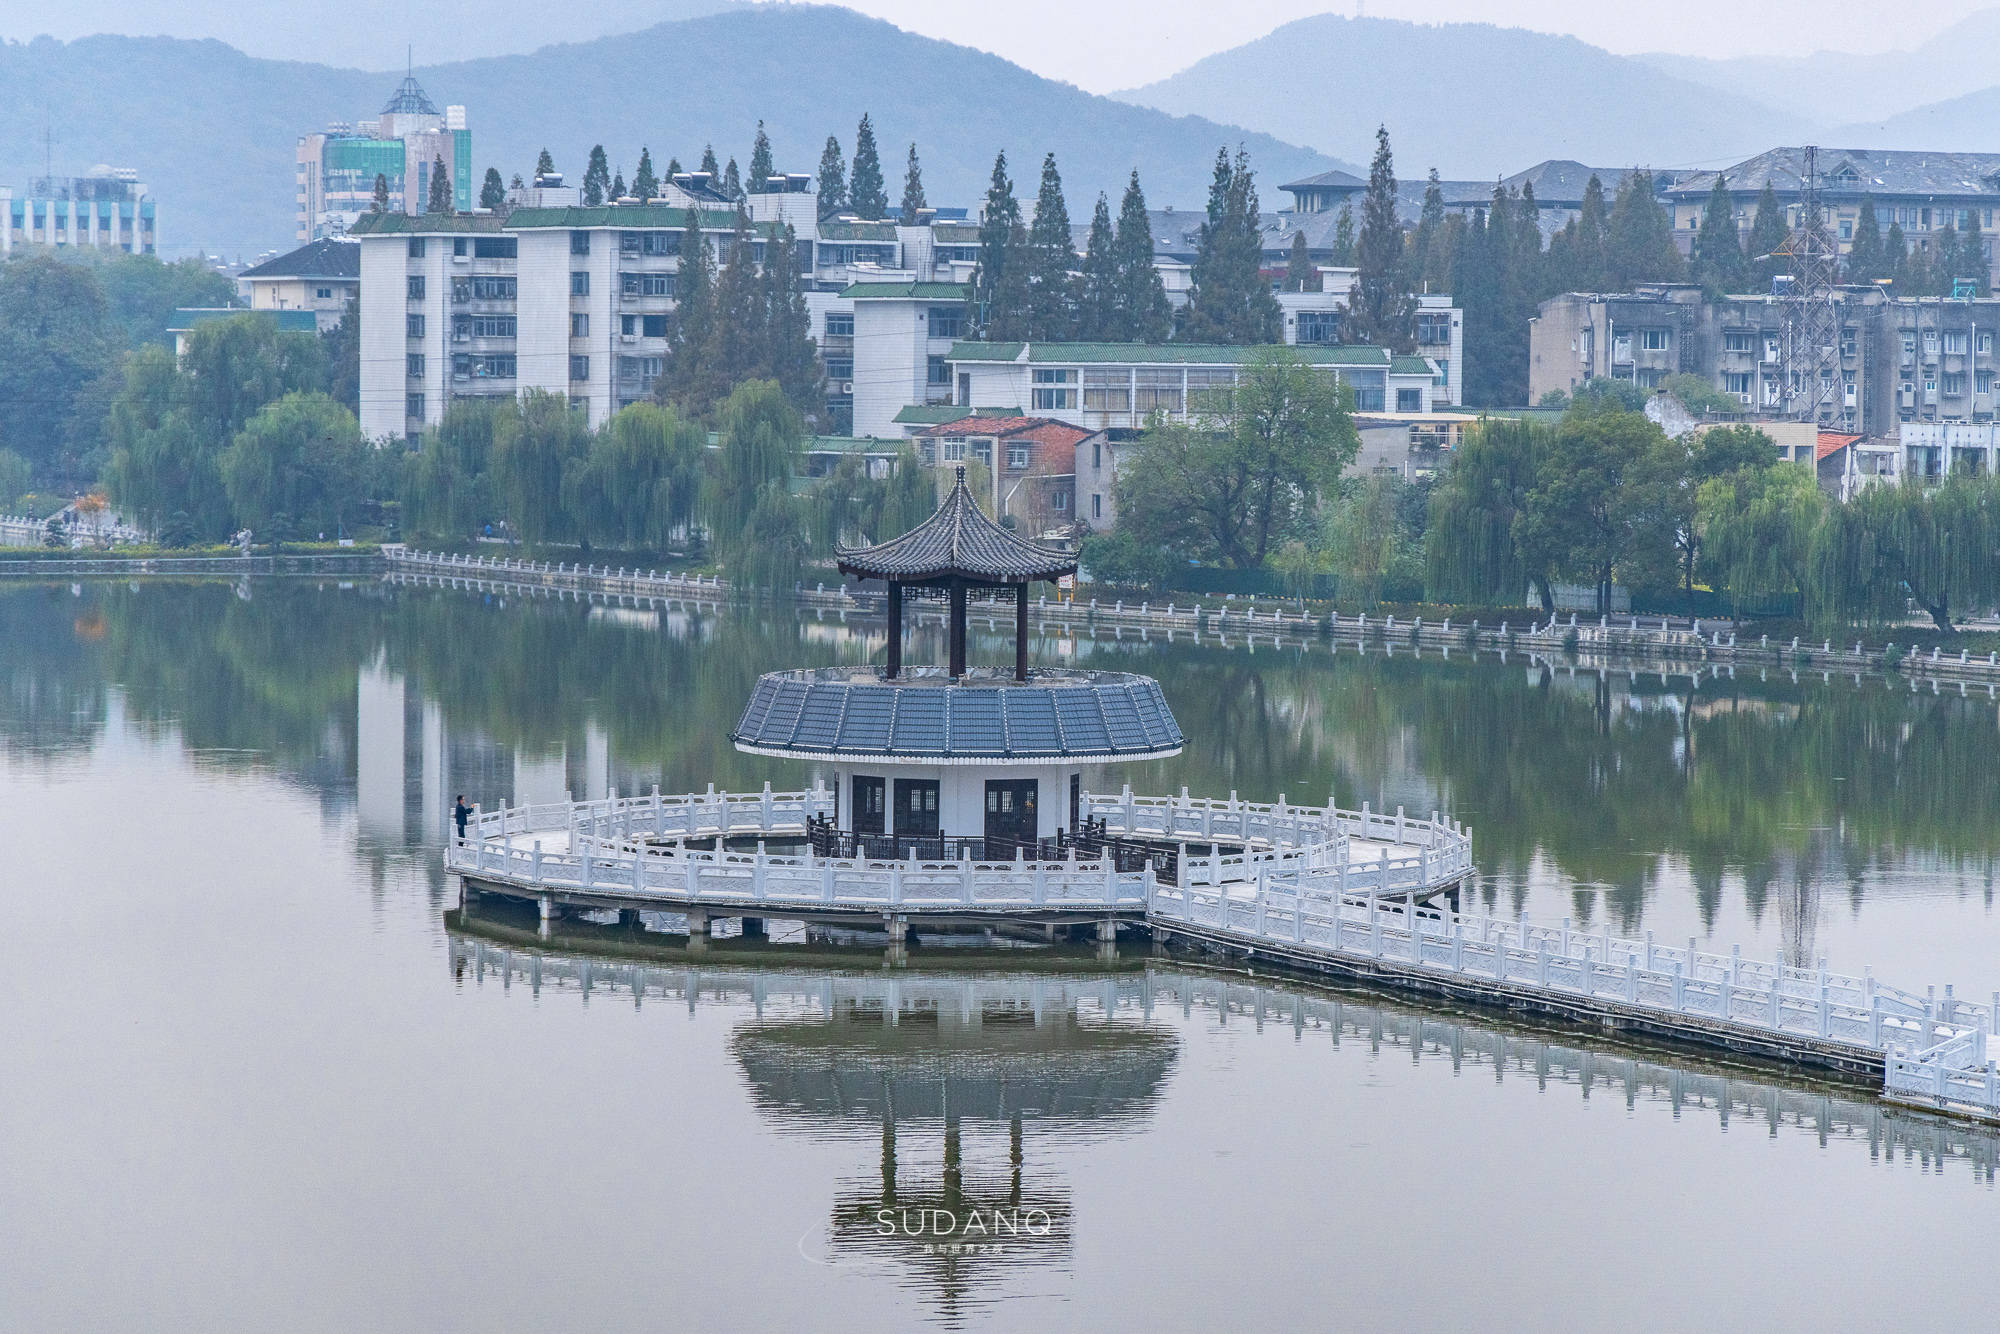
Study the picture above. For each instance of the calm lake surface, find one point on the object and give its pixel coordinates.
(254, 1073)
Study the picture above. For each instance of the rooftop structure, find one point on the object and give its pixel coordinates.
(109, 209)
(336, 168)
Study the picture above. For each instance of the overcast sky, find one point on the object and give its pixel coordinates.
(1101, 45)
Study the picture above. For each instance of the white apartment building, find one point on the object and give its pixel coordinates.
(321, 277)
(110, 209)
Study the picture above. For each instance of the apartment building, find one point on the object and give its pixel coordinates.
(1900, 359)
(320, 276)
(1030, 463)
(1922, 192)
(334, 177)
(109, 209)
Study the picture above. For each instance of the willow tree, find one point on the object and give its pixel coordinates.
(1938, 547)
(1756, 527)
(535, 441)
(639, 485)
(1471, 549)
(761, 435)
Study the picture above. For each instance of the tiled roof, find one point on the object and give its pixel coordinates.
(1412, 366)
(1043, 430)
(1854, 171)
(910, 291)
(628, 216)
(857, 712)
(1327, 180)
(1147, 354)
(428, 224)
(329, 258)
(937, 414)
(837, 229)
(1831, 443)
(958, 540)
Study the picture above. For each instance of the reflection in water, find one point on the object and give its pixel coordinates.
(957, 1075)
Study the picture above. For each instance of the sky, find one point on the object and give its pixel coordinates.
(1099, 45)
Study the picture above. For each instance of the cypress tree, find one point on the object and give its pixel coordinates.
(1051, 257)
(440, 200)
(1430, 223)
(791, 357)
(1141, 312)
(544, 163)
(1300, 275)
(761, 166)
(1972, 260)
(866, 193)
(739, 336)
(1442, 260)
(673, 169)
(1768, 234)
(1380, 309)
(913, 190)
(644, 184)
(999, 280)
(1343, 238)
(832, 179)
(1231, 302)
(1526, 263)
(732, 181)
(1640, 245)
(1895, 258)
(492, 191)
(1718, 252)
(1476, 286)
(688, 329)
(1097, 293)
(710, 164)
(1864, 258)
(380, 203)
(596, 177)
(1593, 224)
(617, 186)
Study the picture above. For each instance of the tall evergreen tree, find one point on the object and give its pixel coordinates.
(440, 200)
(711, 164)
(380, 204)
(1503, 327)
(740, 336)
(1527, 265)
(761, 166)
(1000, 279)
(1864, 259)
(645, 185)
(1380, 309)
(1441, 259)
(690, 327)
(791, 357)
(1097, 290)
(913, 191)
(493, 190)
(617, 185)
(1300, 273)
(1051, 260)
(1430, 223)
(1973, 261)
(1640, 245)
(1230, 301)
(673, 169)
(1718, 251)
(1895, 258)
(832, 179)
(867, 195)
(732, 181)
(1141, 312)
(544, 163)
(1587, 253)
(1477, 287)
(596, 177)
(1343, 238)
(1768, 234)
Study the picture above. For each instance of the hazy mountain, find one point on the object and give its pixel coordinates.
(1960, 124)
(214, 131)
(1838, 87)
(369, 34)
(1471, 99)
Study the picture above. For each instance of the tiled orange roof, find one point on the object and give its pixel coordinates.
(1831, 442)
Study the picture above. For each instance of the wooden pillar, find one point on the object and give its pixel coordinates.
(1020, 632)
(957, 629)
(895, 629)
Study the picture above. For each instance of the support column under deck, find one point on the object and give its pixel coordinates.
(957, 618)
(895, 630)
(1020, 632)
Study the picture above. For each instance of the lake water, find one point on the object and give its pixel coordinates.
(254, 1073)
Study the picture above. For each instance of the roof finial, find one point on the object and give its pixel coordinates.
(961, 474)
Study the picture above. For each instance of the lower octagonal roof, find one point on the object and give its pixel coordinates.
(986, 717)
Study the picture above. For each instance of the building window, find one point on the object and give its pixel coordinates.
(628, 325)
(646, 284)
(840, 368)
(1983, 344)
(416, 247)
(458, 246)
(653, 326)
(1053, 391)
(323, 293)
(947, 321)
(1653, 340)
(1061, 500)
(1107, 390)
(1433, 328)
(1738, 340)
(413, 325)
(413, 365)
(1156, 390)
(1409, 400)
(1097, 454)
(1954, 345)
(486, 287)
(937, 371)
(579, 326)
(1954, 384)
(840, 325)
(1017, 456)
(1930, 343)
(1367, 398)
(579, 368)
(1317, 326)
(1738, 382)
(495, 247)
(579, 283)
(416, 287)
(413, 405)
(954, 451)
(492, 326)
(579, 243)
(1096, 505)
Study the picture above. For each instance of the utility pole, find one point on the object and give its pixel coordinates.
(1812, 307)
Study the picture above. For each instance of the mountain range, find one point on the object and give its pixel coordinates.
(213, 130)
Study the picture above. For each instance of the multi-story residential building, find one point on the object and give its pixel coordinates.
(1922, 192)
(110, 209)
(321, 277)
(1030, 463)
(1900, 359)
(336, 167)
(1558, 183)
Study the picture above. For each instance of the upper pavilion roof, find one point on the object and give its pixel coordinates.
(958, 541)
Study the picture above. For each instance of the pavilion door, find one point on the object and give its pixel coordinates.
(916, 808)
(869, 794)
(1010, 815)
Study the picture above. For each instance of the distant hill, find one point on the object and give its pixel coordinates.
(1471, 99)
(1841, 87)
(1964, 124)
(214, 131)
